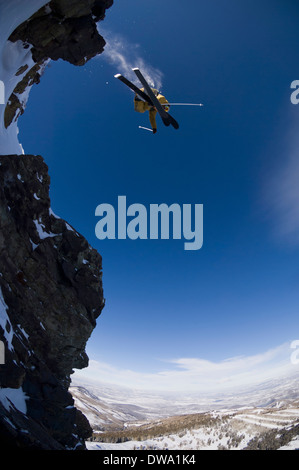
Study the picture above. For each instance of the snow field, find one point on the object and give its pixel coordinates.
(233, 431)
(13, 56)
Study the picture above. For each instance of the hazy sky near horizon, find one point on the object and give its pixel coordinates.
(167, 309)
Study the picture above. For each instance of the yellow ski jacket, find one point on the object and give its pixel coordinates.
(142, 106)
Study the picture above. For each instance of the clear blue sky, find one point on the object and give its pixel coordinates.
(238, 295)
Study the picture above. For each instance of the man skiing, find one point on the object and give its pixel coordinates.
(149, 99)
(142, 106)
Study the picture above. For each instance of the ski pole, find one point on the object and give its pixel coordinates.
(145, 128)
(182, 104)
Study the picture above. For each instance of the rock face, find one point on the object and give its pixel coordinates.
(50, 278)
(52, 293)
(62, 29)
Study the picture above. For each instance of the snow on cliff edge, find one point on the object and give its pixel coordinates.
(12, 57)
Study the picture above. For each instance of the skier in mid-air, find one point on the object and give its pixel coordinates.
(149, 99)
(142, 106)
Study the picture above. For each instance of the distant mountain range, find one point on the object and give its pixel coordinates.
(108, 403)
(264, 417)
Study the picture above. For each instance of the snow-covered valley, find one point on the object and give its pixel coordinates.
(266, 417)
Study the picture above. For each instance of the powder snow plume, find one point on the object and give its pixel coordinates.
(125, 56)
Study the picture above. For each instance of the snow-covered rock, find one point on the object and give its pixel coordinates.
(32, 32)
(50, 280)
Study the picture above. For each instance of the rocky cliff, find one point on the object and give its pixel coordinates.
(50, 277)
(62, 29)
(51, 293)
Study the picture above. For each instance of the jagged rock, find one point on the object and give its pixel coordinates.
(50, 278)
(15, 107)
(51, 291)
(62, 29)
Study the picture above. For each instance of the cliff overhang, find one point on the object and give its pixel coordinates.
(51, 291)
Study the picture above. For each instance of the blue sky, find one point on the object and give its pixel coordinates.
(237, 155)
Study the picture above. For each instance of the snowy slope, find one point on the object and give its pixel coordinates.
(231, 431)
(236, 419)
(12, 57)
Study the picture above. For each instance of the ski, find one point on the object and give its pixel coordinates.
(133, 87)
(149, 98)
(145, 128)
(165, 116)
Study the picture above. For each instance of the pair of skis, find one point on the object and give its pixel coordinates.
(149, 97)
